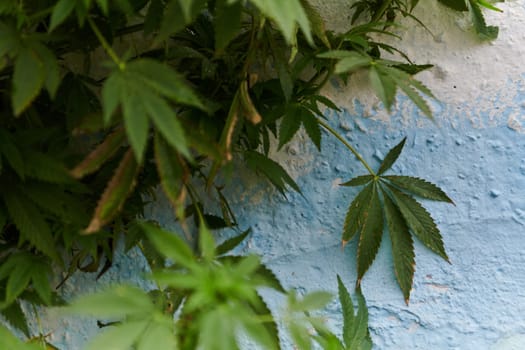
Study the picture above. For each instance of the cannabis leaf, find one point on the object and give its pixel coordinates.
(391, 197)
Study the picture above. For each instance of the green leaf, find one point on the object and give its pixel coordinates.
(166, 122)
(349, 61)
(15, 316)
(10, 341)
(419, 187)
(28, 79)
(230, 244)
(119, 337)
(270, 279)
(40, 279)
(115, 194)
(287, 15)
(358, 181)
(154, 16)
(18, 280)
(217, 330)
(162, 79)
(61, 11)
(52, 70)
(371, 234)
(115, 302)
(312, 301)
(272, 170)
(458, 5)
(170, 170)
(290, 124)
(158, 335)
(114, 87)
(206, 242)
(348, 310)
(227, 22)
(30, 223)
(45, 167)
(10, 151)
(136, 123)
(312, 127)
(316, 21)
(260, 308)
(419, 221)
(391, 157)
(354, 217)
(99, 155)
(402, 247)
(484, 32)
(384, 87)
(359, 334)
(169, 244)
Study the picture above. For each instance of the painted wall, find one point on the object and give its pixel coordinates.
(475, 151)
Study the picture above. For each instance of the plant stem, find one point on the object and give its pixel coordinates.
(121, 64)
(349, 146)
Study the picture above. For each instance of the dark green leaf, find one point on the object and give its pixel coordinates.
(231, 243)
(348, 310)
(170, 170)
(354, 219)
(358, 181)
(458, 5)
(272, 170)
(30, 223)
(28, 79)
(419, 187)
(419, 221)
(290, 124)
(18, 280)
(16, 318)
(61, 11)
(402, 246)
(115, 193)
(51, 68)
(371, 234)
(316, 21)
(312, 127)
(270, 279)
(360, 336)
(154, 15)
(391, 157)
(227, 22)
(40, 279)
(10, 151)
(136, 123)
(45, 167)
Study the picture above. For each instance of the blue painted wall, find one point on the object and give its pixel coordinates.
(475, 151)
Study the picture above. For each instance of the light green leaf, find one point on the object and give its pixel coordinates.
(9, 341)
(116, 302)
(391, 157)
(217, 330)
(384, 87)
(28, 79)
(354, 219)
(419, 187)
(40, 280)
(169, 244)
(419, 221)
(206, 242)
(119, 337)
(402, 246)
(158, 335)
(114, 87)
(358, 181)
(371, 234)
(61, 11)
(287, 15)
(136, 122)
(18, 280)
(352, 62)
(312, 301)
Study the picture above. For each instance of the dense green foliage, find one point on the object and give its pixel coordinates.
(101, 102)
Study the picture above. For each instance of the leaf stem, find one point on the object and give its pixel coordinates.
(347, 145)
(109, 50)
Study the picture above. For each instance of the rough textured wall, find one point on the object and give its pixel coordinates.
(475, 151)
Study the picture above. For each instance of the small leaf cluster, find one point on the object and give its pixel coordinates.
(389, 198)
